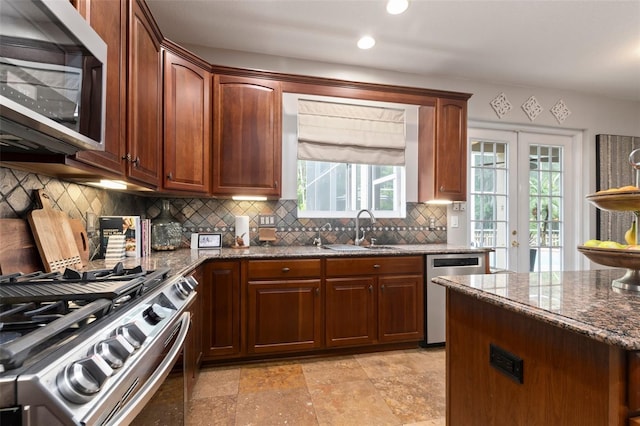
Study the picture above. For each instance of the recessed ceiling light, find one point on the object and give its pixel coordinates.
(366, 42)
(396, 7)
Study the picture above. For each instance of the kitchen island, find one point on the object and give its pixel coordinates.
(551, 348)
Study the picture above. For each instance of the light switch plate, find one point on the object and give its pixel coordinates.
(267, 221)
(454, 221)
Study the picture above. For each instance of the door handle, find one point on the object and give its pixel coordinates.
(514, 243)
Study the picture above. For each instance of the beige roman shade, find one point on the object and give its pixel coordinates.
(343, 133)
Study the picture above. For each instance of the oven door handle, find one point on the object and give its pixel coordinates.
(151, 386)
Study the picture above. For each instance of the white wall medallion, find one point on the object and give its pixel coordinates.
(501, 105)
(560, 111)
(532, 108)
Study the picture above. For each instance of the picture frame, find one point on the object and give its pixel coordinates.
(209, 241)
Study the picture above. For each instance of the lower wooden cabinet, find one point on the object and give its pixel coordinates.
(284, 316)
(351, 311)
(374, 300)
(220, 292)
(280, 306)
(284, 305)
(192, 352)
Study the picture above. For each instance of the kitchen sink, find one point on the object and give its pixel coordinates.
(351, 247)
(382, 247)
(343, 247)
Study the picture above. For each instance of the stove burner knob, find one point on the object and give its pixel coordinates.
(154, 314)
(185, 286)
(132, 333)
(115, 350)
(81, 380)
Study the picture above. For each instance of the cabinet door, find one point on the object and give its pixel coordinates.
(220, 293)
(247, 136)
(442, 150)
(187, 125)
(350, 311)
(108, 19)
(451, 149)
(400, 308)
(144, 130)
(284, 315)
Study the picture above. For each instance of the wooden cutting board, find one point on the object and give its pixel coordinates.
(18, 251)
(53, 235)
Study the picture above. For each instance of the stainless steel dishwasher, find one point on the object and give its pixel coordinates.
(435, 296)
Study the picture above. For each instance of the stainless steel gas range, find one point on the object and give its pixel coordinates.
(88, 348)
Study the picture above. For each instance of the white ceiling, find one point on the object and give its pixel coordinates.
(587, 46)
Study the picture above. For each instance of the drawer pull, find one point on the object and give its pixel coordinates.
(376, 266)
(285, 269)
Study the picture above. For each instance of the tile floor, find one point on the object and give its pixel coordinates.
(385, 388)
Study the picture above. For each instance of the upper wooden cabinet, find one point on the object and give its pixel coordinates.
(108, 19)
(247, 136)
(144, 107)
(187, 125)
(442, 150)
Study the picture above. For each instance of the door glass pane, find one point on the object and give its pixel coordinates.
(488, 195)
(546, 206)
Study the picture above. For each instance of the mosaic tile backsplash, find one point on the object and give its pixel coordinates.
(424, 224)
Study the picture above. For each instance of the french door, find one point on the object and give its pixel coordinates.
(519, 201)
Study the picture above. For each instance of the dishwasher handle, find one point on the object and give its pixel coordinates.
(444, 262)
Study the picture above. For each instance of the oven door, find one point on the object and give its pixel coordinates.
(162, 396)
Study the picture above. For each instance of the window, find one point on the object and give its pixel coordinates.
(340, 190)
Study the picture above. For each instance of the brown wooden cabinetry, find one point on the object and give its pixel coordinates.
(247, 136)
(193, 345)
(442, 150)
(144, 106)
(133, 127)
(374, 300)
(578, 380)
(220, 293)
(108, 19)
(187, 123)
(284, 305)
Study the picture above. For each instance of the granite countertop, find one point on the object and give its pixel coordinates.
(184, 260)
(581, 301)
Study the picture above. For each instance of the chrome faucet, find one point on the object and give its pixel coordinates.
(318, 240)
(359, 240)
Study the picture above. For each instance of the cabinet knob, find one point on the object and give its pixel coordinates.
(370, 288)
(136, 162)
(170, 176)
(441, 188)
(127, 157)
(376, 266)
(285, 269)
(382, 287)
(318, 291)
(275, 184)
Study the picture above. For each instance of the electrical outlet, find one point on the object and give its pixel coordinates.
(463, 206)
(267, 221)
(456, 207)
(91, 223)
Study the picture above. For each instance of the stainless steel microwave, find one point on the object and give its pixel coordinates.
(53, 69)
